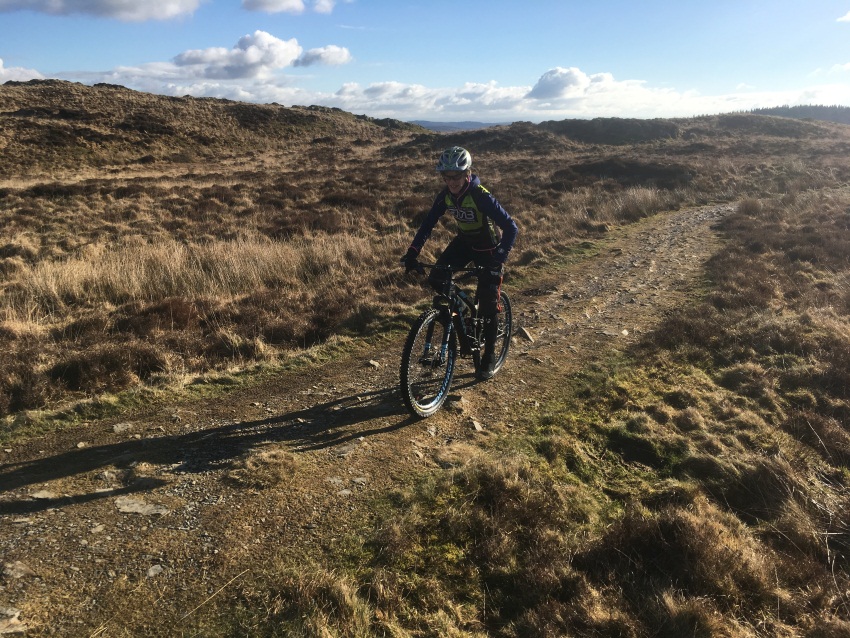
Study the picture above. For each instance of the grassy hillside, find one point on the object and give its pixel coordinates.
(839, 114)
(147, 239)
(50, 124)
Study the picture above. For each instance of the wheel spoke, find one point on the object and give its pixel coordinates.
(427, 365)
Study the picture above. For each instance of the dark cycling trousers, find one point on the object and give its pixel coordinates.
(458, 254)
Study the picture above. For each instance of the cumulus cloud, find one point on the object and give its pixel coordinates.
(255, 55)
(288, 6)
(251, 72)
(845, 18)
(127, 10)
(558, 94)
(330, 55)
(559, 83)
(18, 74)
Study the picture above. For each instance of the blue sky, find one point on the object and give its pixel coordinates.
(485, 60)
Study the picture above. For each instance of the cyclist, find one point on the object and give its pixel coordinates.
(486, 234)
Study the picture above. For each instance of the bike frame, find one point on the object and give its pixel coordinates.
(460, 304)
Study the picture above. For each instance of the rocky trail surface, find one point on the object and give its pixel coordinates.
(135, 525)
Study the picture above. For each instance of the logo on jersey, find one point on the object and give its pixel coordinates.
(464, 215)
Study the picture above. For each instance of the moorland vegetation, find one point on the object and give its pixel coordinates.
(148, 240)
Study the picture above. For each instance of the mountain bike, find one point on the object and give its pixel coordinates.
(450, 327)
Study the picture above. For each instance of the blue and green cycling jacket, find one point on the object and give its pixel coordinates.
(479, 217)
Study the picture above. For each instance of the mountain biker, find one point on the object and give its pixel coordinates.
(480, 218)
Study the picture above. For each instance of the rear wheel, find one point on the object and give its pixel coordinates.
(503, 335)
(504, 332)
(428, 363)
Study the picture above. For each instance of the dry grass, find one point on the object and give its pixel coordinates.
(697, 486)
(269, 467)
(236, 259)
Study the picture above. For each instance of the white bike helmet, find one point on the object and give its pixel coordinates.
(455, 159)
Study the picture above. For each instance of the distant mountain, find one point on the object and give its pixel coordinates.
(839, 114)
(451, 127)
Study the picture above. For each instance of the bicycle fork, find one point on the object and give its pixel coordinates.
(428, 356)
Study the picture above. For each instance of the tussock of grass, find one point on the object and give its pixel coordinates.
(266, 468)
(302, 601)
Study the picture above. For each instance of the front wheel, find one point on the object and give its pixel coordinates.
(428, 363)
(503, 335)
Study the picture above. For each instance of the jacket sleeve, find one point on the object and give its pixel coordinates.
(437, 209)
(490, 206)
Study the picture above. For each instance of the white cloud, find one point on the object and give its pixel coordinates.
(559, 83)
(252, 72)
(324, 6)
(18, 74)
(845, 18)
(127, 10)
(330, 55)
(288, 6)
(558, 94)
(255, 55)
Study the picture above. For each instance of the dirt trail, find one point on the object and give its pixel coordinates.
(126, 525)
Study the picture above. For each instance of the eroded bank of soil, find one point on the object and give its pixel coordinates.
(126, 526)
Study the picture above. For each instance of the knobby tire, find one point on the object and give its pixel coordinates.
(503, 334)
(426, 374)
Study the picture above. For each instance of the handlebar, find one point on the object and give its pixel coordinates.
(466, 272)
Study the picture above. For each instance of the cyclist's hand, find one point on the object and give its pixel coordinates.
(410, 262)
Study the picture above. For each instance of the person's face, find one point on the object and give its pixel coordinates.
(455, 181)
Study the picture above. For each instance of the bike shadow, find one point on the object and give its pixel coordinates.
(327, 425)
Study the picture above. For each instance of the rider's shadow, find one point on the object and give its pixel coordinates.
(322, 426)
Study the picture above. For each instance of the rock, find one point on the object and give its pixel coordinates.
(118, 428)
(346, 449)
(10, 623)
(44, 495)
(525, 334)
(477, 426)
(17, 570)
(374, 364)
(155, 570)
(129, 505)
(456, 403)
